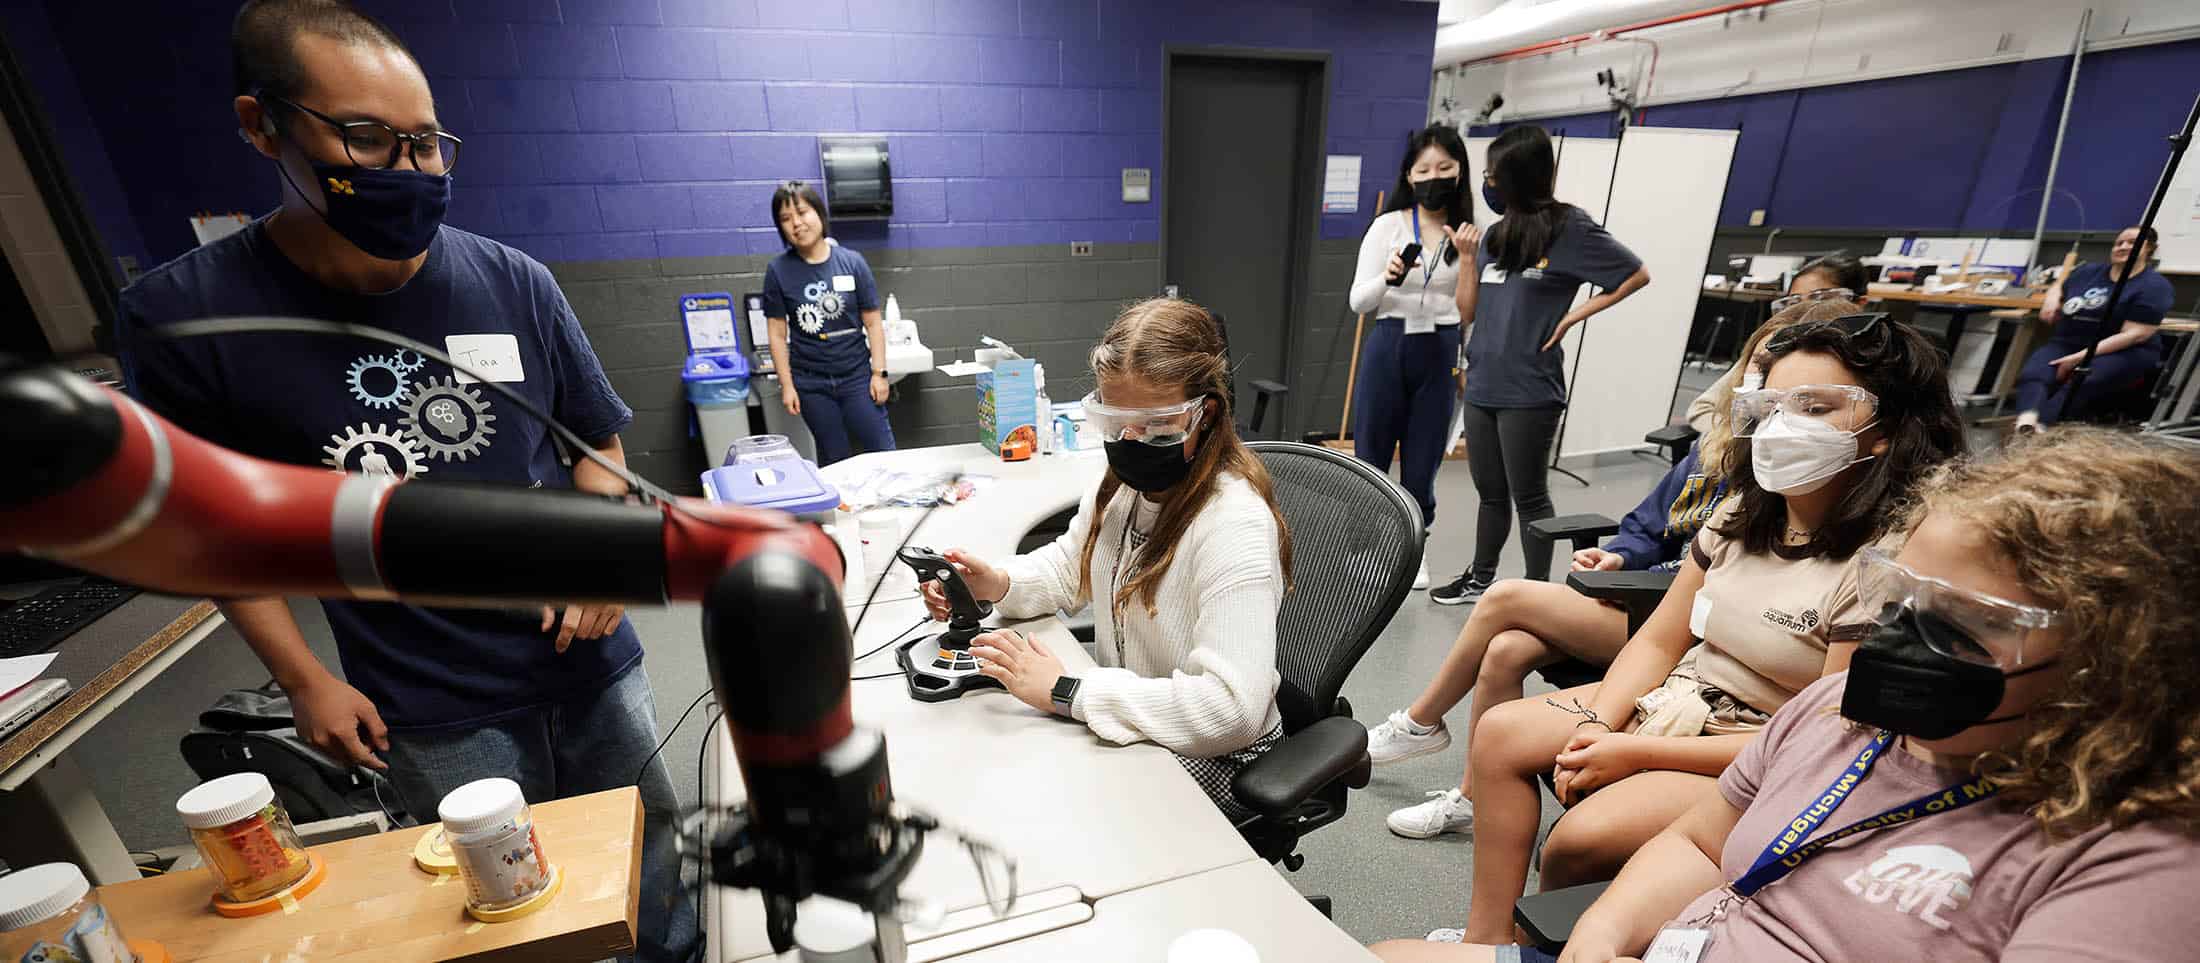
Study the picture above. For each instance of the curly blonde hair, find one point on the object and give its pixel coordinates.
(1718, 443)
(2104, 527)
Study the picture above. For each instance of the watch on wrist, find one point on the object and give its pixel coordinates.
(1065, 693)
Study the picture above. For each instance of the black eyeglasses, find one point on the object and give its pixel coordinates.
(375, 145)
(1849, 326)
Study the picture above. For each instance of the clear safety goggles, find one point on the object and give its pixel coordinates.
(1785, 302)
(1970, 626)
(1844, 408)
(1166, 425)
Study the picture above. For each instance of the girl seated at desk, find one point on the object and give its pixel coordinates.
(1182, 546)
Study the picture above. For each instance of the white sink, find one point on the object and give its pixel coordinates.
(903, 360)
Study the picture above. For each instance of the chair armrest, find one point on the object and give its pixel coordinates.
(1266, 387)
(1576, 528)
(1292, 772)
(1669, 435)
(1548, 918)
(1629, 588)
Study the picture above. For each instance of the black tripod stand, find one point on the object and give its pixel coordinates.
(2177, 144)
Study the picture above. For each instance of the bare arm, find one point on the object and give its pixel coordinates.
(1591, 307)
(1664, 876)
(591, 621)
(331, 715)
(591, 477)
(2134, 333)
(2051, 305)
(1468, 239)
(780, 365)
(874, 331)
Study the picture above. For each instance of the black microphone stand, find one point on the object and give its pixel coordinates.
(2177, 144)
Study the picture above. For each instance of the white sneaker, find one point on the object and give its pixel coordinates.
(1447, 811)
(1395, 740)
(1420, 577)
(1446, 935)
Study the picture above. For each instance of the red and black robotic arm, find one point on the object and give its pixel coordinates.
(102, 484)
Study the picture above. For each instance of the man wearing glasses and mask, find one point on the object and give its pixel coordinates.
(337, 106)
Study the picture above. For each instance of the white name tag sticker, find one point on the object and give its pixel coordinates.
(844, 282)
(1492, 274)
(485, 357)
(1678, 946)
(1699, 615)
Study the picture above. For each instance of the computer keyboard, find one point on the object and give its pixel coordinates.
(41, 621)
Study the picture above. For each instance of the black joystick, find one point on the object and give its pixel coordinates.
(948, 672)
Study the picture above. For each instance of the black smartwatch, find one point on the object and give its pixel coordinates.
(1065, 693)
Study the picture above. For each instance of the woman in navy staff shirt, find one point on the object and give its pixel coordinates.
(1408, 365)
(2075, 305)
(1533, 261)
(832, 370)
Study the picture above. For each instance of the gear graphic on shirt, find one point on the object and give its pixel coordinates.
(831, 304)
(809, 318)
(374, 446)
(409, 367)
(367, 373)
(447, 420)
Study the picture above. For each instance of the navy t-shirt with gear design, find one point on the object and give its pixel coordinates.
(348, 404)
(2147, 298)
(823, 305)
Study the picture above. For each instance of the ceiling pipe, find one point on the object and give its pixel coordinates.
(1579, 38)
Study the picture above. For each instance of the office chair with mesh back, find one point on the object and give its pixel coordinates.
(1356, 541)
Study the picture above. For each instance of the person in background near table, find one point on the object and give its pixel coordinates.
(1833, 277)
(1181, 546)
(1523, 625)
(832, 359)
(1854, 412)
(1409, 365)
(1533, 261)
(2029, 689)
(438, 697)
(2075, 306)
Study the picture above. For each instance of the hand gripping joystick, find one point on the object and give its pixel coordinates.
(940, 667)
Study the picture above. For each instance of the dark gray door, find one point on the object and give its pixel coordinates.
(1237, 163)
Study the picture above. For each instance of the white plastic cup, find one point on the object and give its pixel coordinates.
(881, 531)
(832, 931)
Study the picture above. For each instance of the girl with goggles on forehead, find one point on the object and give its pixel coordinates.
(1835, 278)
(1854, 410)
(1181, 551)
(2013, 744)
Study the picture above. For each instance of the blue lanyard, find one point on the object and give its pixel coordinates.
(1788, 850)
(1428, 258)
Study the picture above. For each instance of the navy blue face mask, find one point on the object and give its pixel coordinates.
(391, 214)
(1490, 197)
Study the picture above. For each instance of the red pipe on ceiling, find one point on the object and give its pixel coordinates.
(1549, 45)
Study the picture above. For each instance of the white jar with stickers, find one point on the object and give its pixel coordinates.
(49, 912)
(492, 835)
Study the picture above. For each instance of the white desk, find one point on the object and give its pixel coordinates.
(1074, 811)
(1249, 899)
(990, 524)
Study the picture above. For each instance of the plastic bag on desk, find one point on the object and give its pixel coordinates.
(887, 488)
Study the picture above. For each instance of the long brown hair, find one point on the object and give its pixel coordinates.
(2104, 527)
(1167, 342)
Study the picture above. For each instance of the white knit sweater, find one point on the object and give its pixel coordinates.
(1199, 675)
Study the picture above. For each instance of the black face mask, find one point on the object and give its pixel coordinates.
(1435, 194)
(1899, 683)
(1148, 468)
(1491, 198)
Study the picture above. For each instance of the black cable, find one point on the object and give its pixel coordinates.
(881, 647)
(668, 737)
(702, 876)
(882, 675)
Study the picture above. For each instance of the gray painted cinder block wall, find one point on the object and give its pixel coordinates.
(1049, 305)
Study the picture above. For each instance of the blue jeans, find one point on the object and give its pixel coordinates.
(588, 744)
(838, 409)
(2112, 373)
(1407, 386)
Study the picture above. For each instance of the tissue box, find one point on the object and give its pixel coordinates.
(1008, 400)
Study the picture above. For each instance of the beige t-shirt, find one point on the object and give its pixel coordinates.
(1764, 621)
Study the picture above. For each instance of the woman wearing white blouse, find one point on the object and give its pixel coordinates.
(1416, 276)
(1189, 566)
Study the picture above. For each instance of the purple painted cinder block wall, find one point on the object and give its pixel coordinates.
(615, 129)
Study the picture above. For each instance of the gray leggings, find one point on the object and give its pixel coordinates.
(1509, 455)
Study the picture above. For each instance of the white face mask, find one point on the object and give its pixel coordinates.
(1797, 456)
